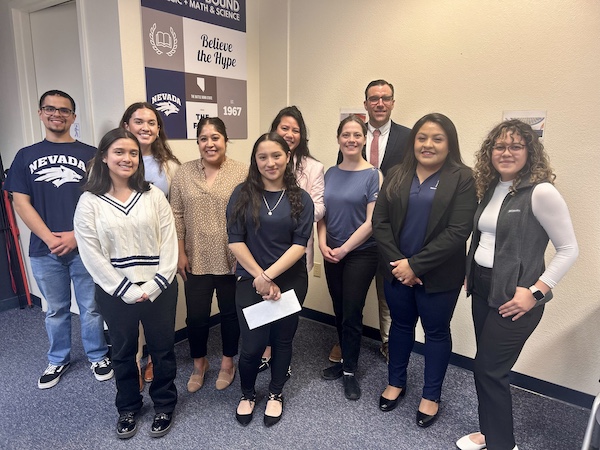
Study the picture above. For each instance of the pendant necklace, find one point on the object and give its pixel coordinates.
(270, 210)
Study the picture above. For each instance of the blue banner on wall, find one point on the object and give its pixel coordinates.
(196, 63)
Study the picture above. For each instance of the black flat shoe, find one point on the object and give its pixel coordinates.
(351, 387)
(126, 425)
(161, 424)
(272, 420)
(425, 420)
(334, 372)
(245, 419)
(385, 404)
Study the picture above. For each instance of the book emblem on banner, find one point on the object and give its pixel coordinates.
(163, 39)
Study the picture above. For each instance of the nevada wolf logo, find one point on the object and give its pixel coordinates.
(58, 175)
(167, 108)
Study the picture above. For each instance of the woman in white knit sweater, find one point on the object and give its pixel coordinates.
(126, 237)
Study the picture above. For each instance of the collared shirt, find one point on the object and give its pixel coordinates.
(383, 138)
(420, 201)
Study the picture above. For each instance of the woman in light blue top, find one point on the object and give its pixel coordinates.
(350, 252)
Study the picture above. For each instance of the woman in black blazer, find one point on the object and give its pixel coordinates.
(422, 219)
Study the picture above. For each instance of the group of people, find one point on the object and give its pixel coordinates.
(399, 207)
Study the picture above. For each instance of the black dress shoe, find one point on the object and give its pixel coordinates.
(272, 420)
(334, 372)
(351, 387)
(161, 424)
(126, 425)
(425, 420)
(245, 419)
(385, 404)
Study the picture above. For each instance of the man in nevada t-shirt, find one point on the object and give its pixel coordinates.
(45, 180)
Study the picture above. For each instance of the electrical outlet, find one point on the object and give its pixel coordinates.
(317, 270)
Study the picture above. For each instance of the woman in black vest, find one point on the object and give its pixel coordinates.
(520, 209)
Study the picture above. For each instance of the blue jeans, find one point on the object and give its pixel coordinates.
(407, 305)
(53, 275)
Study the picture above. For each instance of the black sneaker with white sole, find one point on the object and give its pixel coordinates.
(102, 369)
(51, 375)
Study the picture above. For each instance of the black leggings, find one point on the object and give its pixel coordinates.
(278, 334)
(348, 282)
(199, 291)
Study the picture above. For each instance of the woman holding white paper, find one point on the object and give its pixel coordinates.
(269, 221)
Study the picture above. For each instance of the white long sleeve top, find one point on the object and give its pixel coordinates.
(550, 209)
(129, 248)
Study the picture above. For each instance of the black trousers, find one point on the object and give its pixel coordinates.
(278, 334)
(199, 291)
(499, 343)
(158, 319)
(348, 282)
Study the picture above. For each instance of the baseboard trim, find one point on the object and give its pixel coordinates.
(519, 380)
(18, 301)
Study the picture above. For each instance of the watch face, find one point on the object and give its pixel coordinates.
(538, 295)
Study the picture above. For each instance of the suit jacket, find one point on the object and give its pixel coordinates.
(441, 262)
(394, 150)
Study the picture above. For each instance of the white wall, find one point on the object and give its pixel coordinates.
(469, 60)
(113, 73)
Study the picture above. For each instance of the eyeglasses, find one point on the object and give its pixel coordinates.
(513, 148)
(49, 110)
(386, 99)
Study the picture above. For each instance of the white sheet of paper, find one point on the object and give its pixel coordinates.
(269, 311)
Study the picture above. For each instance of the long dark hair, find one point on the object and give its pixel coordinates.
(98, 180)
(160, 147)
(302, 150)
(409, 163)
(250, 198)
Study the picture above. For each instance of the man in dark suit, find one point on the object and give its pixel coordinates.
(384, 153)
